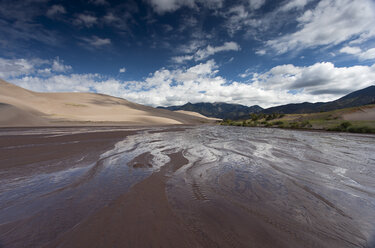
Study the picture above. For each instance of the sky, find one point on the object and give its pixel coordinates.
(170, 52)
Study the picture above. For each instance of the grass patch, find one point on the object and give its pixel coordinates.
(330, 121)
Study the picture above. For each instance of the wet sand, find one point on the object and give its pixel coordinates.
(208, 186)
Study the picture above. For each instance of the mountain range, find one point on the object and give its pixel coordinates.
(218, 109)
(236, 111)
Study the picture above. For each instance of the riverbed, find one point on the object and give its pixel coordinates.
(203, 186)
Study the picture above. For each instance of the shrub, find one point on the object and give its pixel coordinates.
(305, 124)
(343, 127)
(294, 125)
(361, 129)
(278, 123)
(254, 117)
(345, 124)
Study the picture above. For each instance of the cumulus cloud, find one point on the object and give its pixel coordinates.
(362, 55)
(55, 10)
(201, 83)
(11, 68)
(87, 20)
(204, 53)
(59, 66)
(320, 78)
(330, 23)
(122, 70)
(17, 67)
(96, 41)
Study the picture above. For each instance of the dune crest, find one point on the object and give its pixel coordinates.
(21, 107)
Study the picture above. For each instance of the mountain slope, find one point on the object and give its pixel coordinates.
(21, 107)
(237, 111)
(354, 99)
(218, 110)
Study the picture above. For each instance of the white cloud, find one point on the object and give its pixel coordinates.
(318, 79)
(55, 10)
(204, 53)
(97, 41)
(294, 4)
(362, 55)
(247, 74)
(58, 65)
(192, 46)
(182, 59)
(201, 83)
(240, 17)
(16, 67)
(350, 50)
(209, 50)
(330, 23)
(260, 52)
(86, 20)
(369, 54)
(256, 4)
(163, 6)
(122, 70)
(10, 68)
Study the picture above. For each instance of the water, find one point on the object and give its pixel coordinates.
(313, 187)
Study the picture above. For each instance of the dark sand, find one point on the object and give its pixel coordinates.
(193, 187)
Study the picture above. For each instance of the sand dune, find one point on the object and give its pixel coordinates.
(365, 113)
(21, 107)
(197, 115)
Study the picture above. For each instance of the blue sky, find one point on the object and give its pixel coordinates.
(169, 52)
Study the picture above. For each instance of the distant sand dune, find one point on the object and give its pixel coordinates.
(197, 115)
(363, 114)
(21, 107)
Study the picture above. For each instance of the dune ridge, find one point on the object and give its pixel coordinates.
(22, 107)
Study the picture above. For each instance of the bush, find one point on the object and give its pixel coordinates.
(294, 125)
(305, 124)
(278, 123)
(345, 124)
(361, 129)
(343, 127)
(254, 117)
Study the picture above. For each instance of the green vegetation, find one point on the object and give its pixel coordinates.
(346, 126)
(329, 121)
